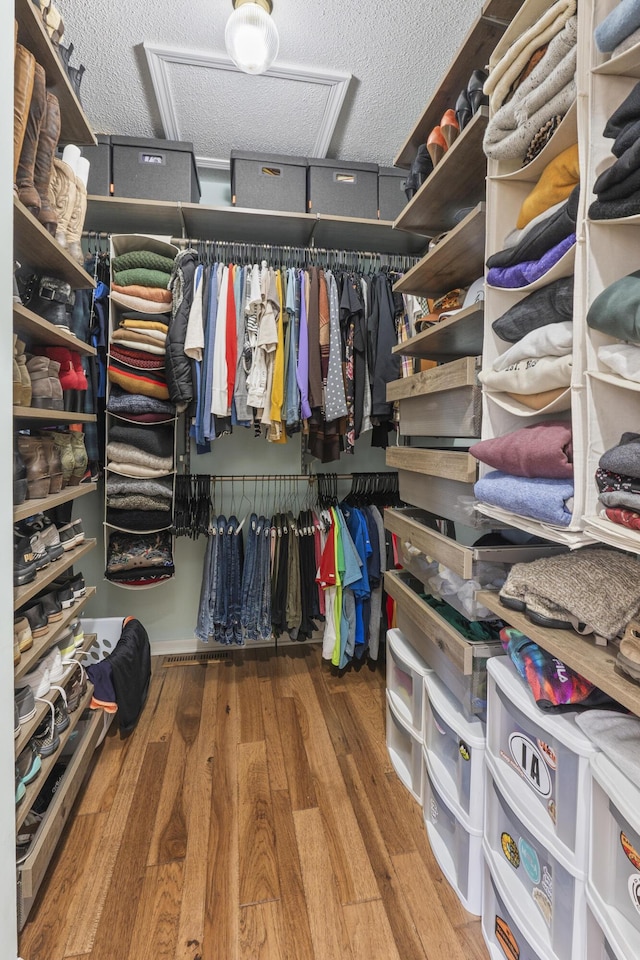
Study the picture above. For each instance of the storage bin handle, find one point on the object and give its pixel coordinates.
(270, 171)
(349, 178)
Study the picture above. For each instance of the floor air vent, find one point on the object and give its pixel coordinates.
(184, 659)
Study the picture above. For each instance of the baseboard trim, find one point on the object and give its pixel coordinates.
(163, 648)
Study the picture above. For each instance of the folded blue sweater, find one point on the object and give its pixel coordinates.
(621, 23)
(540, 499)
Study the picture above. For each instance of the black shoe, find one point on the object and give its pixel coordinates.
(24, 562)
(74, 582)
(37, 619)
(463, 110)
(19, 478)
(51, 606)
(75, 76)
(477, 98)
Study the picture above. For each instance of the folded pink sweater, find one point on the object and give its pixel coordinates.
(542, 450)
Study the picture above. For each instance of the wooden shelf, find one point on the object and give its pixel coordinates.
(447, 464)
(456, 261)
(458, 336)
(33, 35)
(37, 330)
(34, 247)
(503, 10)
(55, 631)
(474, 53)
(458, 181)
(239, 225)
(595, 663)
(447, 376)
(36, 786)
(28, 729)
(22, 595)
(40, 504)
(52, 416)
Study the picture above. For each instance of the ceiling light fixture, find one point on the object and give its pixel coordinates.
(250, 36)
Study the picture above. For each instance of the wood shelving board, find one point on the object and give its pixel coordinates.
(446, 376)
(52, 416)
(458, 181)
(474, 54)
(40, 504)
(456, 261)
(504, 10)
(33, 35)
(458, 336)
(22, 595)
(595, 663)
(37, 330)
(239, 225)
(42, 644)
(448, 464)
(34, 247)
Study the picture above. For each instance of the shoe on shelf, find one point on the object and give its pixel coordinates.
(20, 488)
(73, 580)
(38, 549)
(66, 644)
(29, 763)
(25, 836)
(463, 110)
(23, 81)
(38, 679)
(62, 440)
(27, 193)
(78, 633)
(22, 634)
(20, 787)
(51, 452)
(436, 145)
(49, 297)
(475, 93)
(46, 531)
(45, 738)
(25, 379)
(37, 619)
(26, 704)
(450, 127)
(33, 454)
(17, 656)
(47, 144)
(46, 390)
(17, 378)
(62, 717)
(53, 661)
(16, 721)
(24, 562)
(80, 458)
(51, 606)
(76, 688)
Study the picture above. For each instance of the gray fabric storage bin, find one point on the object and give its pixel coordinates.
(99, 183)
(391, 195)
(268, 182)
(154, 169)
(342, 189)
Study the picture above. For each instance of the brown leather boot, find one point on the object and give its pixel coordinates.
(76, 223)
(26, 189)
(55, 463)
(32, 452)
(47, 143)
(25, 69)
(17, 379)
(63, 197)
(25, 379)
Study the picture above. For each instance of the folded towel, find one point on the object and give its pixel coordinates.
(615, 209)
(544, 500)
(157, 441)
(122, 402)
(142, 277)
(622, 179)
(624, 458)
(550, 304)
(508, 69)
(541, 450)
(523, 274)
(616, 311)
(623, 359)
(552, 340)
(146, 259)
(556, 182)
(616, 27)
(628, 112)
(541, 238)
(139, 304)
(125, 486)
(531, 375)
(148, 294)
(617, 735)
(141, 521)
(538, 401)
(135, 470)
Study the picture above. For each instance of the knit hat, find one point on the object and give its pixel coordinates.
(628, 112)
(122, 402)
(142, 277)
(616, 27)
(616, 311)
(137, 501)
(152, 488)
(542, 237)
(523, 274)
(557, 181)
(155, 440)
(541, 450)
(139, 359)
(147, 294)
(146, 259)
(138, 303)
(550, 304)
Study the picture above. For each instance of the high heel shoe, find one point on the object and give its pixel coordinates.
(463, 110)
(420, 170)
(450, 127)
(476, 97)
(436, 145)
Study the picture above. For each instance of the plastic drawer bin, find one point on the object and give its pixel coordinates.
(455, 845)
(404, 752)
(455, 751)
(541, 764)
(405, 681)
(541, 886)
(614, 863)
(502, 935)
(601, 939)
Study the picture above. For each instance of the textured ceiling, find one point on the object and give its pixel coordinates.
(396, 53)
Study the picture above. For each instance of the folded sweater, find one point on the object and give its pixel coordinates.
(124, 452)
(531, 375)
(552, 340)
(147, 294)
(523, 274)
(142, 277)
(543, 237)
(541, 450)
(146, 259)
(556, 183)
(616, 27)
(545, 500)
(138, 303)
(552, 303)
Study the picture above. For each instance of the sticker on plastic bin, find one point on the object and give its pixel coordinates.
(433, 810)
(543, 903)
(634, 890)
(530, 763)
(530, 860)
(465, 753)
(630, 851)
(506, 939)
(510, 849)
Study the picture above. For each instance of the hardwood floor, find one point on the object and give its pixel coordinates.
(253, 815)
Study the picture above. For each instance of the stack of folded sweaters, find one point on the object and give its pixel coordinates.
(140, 443)
(618, 480)
(533, 472)
(545, 229)
(532, 86)
(618, 187)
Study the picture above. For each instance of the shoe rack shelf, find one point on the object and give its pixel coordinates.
(504, 10)
(22, 595)
(33, 35)
(28, 729)
(28, 324)
(40, 504)
(54, 632)
(457, 260)
(458, 336)
(237, 225)
(52, 416)
(33, 246)
(457, 181)
(36, 786)
(595, 663)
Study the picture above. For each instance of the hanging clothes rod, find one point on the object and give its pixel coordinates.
(310, 477)
(253, 252)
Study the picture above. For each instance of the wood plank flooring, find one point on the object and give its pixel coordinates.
(253, 815)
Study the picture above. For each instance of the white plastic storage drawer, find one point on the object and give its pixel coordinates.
(614, 864)
(540, 884)
(502, 935)
(405, 680)
(542, 763)
(404, 751)
(455, 751)
(455, 845)
(602, 940)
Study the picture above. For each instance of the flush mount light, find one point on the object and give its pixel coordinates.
(250, 36)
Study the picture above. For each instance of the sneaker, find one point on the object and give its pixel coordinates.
(66, 644)
(20, 787)
(26, 833)
(22, 634)
(24, 562)
(45, 738)
(78, 633)
(51, 606)
(61, 716)
(38, 679)
(37, 619)
(68, 536)
(79, 530)
(38, 548)
(26, 704)
(74, 581)
(54, 663)
(29, 763)
(76, 689)
(16, 720)
(46, 529)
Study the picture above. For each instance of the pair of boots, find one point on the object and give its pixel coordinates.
(21, 378)
(73, 454)
(68, 194)
(46, 389)
(51, 298)
(43, 465)
(72, 377)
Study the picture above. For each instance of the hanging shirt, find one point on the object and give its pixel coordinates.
(335, 400)
(292, 414)
(277, 433)
(302, 373)
(219, 382)
(231, 335)
(194, 337)
(366, 401)
(268, 339)
(210, 304)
